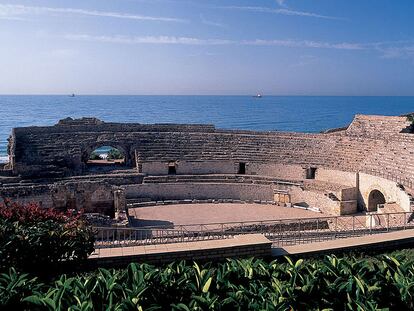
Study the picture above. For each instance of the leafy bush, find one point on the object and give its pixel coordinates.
(95, 156)
(14, 287)
(32, 238)
(332, 283)
(115, 154)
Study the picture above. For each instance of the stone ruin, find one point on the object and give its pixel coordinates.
(362, 167)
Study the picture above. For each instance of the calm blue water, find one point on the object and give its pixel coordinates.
(291, 113)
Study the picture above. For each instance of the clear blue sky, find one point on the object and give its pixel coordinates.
(290, 47)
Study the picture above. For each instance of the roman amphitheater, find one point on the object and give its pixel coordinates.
(173, 174)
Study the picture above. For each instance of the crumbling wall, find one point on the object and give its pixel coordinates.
(88, 196)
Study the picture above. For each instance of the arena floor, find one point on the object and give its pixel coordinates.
(189, 214)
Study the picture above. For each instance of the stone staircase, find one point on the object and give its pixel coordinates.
(332, 196)
(377, 126)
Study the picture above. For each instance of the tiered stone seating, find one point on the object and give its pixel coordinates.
(62, 148)
(394, 161)
(286, 148)
(378, 126)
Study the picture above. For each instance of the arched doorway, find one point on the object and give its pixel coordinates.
(105, 158)
(375, 198)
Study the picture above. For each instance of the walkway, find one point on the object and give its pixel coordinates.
(382, 241)
(247, 245)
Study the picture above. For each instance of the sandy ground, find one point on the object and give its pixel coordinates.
(188, 214)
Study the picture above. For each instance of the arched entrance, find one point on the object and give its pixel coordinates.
(375, 198)
(106, 155)
(104, 158)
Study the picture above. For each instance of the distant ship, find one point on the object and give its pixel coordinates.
(258, 96)
(73, 95)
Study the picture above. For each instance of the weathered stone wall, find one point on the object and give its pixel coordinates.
(190, 167)
(200, 191)
(63, 150)
(280, 171)
(315, 199)
(89, 196)
(337, 176)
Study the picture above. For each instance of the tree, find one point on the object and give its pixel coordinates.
(95, 156)
(115, 154)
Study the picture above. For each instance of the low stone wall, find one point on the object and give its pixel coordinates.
(195, 201)
(90, 196)
(177, 191)
(190, 167)
(337, 176)
(280, 171)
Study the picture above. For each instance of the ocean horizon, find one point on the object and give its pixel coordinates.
(270, 113)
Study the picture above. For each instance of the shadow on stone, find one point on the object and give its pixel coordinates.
(137, 223)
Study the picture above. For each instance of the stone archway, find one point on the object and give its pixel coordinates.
(375, 198)
(87, 151)
(107, 155)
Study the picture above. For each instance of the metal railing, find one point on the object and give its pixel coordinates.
(281, 232)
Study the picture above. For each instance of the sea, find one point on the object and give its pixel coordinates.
(280, 113)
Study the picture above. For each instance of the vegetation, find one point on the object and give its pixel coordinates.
(330, 283)
(95, 156)
(34, 238)
(410, 118)
(115, 154)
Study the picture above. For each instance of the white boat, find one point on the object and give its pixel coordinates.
(258, 96)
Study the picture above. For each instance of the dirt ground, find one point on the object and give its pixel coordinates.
(189, 214)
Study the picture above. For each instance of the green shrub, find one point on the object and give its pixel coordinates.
(95, 156)
(332, 283)
(32, 238)
(15, 287)
(115, 154)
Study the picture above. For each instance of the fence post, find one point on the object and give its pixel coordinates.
(317, 229)
(388, 222)
(353, 225)
(405, 220)
(370, 223)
